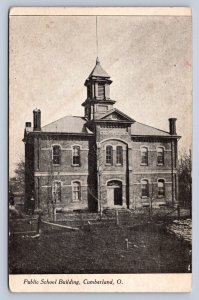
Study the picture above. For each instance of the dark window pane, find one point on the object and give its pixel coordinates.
(56, 155)
(57, 191)
(145, 188)
(160, 155)
(76, 191)
(109, 155)
(89, 89)
(161, 188)
(76, 160)
(144, 156)
(76, 155)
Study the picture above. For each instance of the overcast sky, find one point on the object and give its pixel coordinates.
(148, 58)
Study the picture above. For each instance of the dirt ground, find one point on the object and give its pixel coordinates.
(99, 249)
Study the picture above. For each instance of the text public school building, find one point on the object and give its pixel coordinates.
(104, 159)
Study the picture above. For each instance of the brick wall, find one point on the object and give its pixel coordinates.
(43, 161)
(41, 173)
(44, 173)
(45, 197)
(152, 172)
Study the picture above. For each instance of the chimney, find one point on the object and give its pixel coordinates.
(28, 124)
(36, 119)
(172, 126)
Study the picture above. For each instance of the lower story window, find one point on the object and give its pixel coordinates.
(145, 188)
(161, 188)
(76, 191)
(57, 191)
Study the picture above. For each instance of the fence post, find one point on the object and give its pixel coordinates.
(30, 222)
(117, 217)
(178, 209)
(127, 244)
(54, 214)
(39, 224)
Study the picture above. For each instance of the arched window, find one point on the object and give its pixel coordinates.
(76, 155)
(109, 155)
(144, 156)
(56, 155)
(160, 156)
(119, 155)
(56, 189)
(76, 191)
(161, 188)
(145, 188)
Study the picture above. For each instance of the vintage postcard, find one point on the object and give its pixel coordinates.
(100, 139)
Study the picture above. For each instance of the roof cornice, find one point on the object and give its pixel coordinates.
(112, 121)
(157, 136)
(96, 101)
(60, 133)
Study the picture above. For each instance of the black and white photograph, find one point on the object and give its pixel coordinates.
(100, 147)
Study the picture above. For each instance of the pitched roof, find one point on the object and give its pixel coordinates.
(142, 129)
(71, 124)
(98, 71)
(67, 124)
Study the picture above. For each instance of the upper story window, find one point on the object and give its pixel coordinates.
(76, 155)
(109, 155)
(56, 155)
(56, 189)
(144, 156)
(101, 90)
(119, 155)
(145, 188)
(160, 156)
(76, 191)
(161, 188)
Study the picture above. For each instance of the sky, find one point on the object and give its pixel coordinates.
(149, 59)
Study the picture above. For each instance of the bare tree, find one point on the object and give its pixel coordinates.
(97, 156)
(17, 182)
(52, 196)
(151, 199)
(185, 179)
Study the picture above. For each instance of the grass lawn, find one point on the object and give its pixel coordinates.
(102, 249)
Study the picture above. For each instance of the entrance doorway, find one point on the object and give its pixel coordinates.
(114, 193)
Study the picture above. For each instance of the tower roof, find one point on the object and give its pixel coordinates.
(98, 71)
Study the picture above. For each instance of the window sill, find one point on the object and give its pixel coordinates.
(108, 164)
(161, 196)
(76, 165)
(56, 165)
(119, 165)
(160, 164)
(142, 164)
(145, 197)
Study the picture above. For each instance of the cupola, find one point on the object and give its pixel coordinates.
(98, 99)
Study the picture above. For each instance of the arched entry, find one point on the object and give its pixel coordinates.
(114, 193)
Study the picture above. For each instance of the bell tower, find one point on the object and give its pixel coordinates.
(98, 100)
